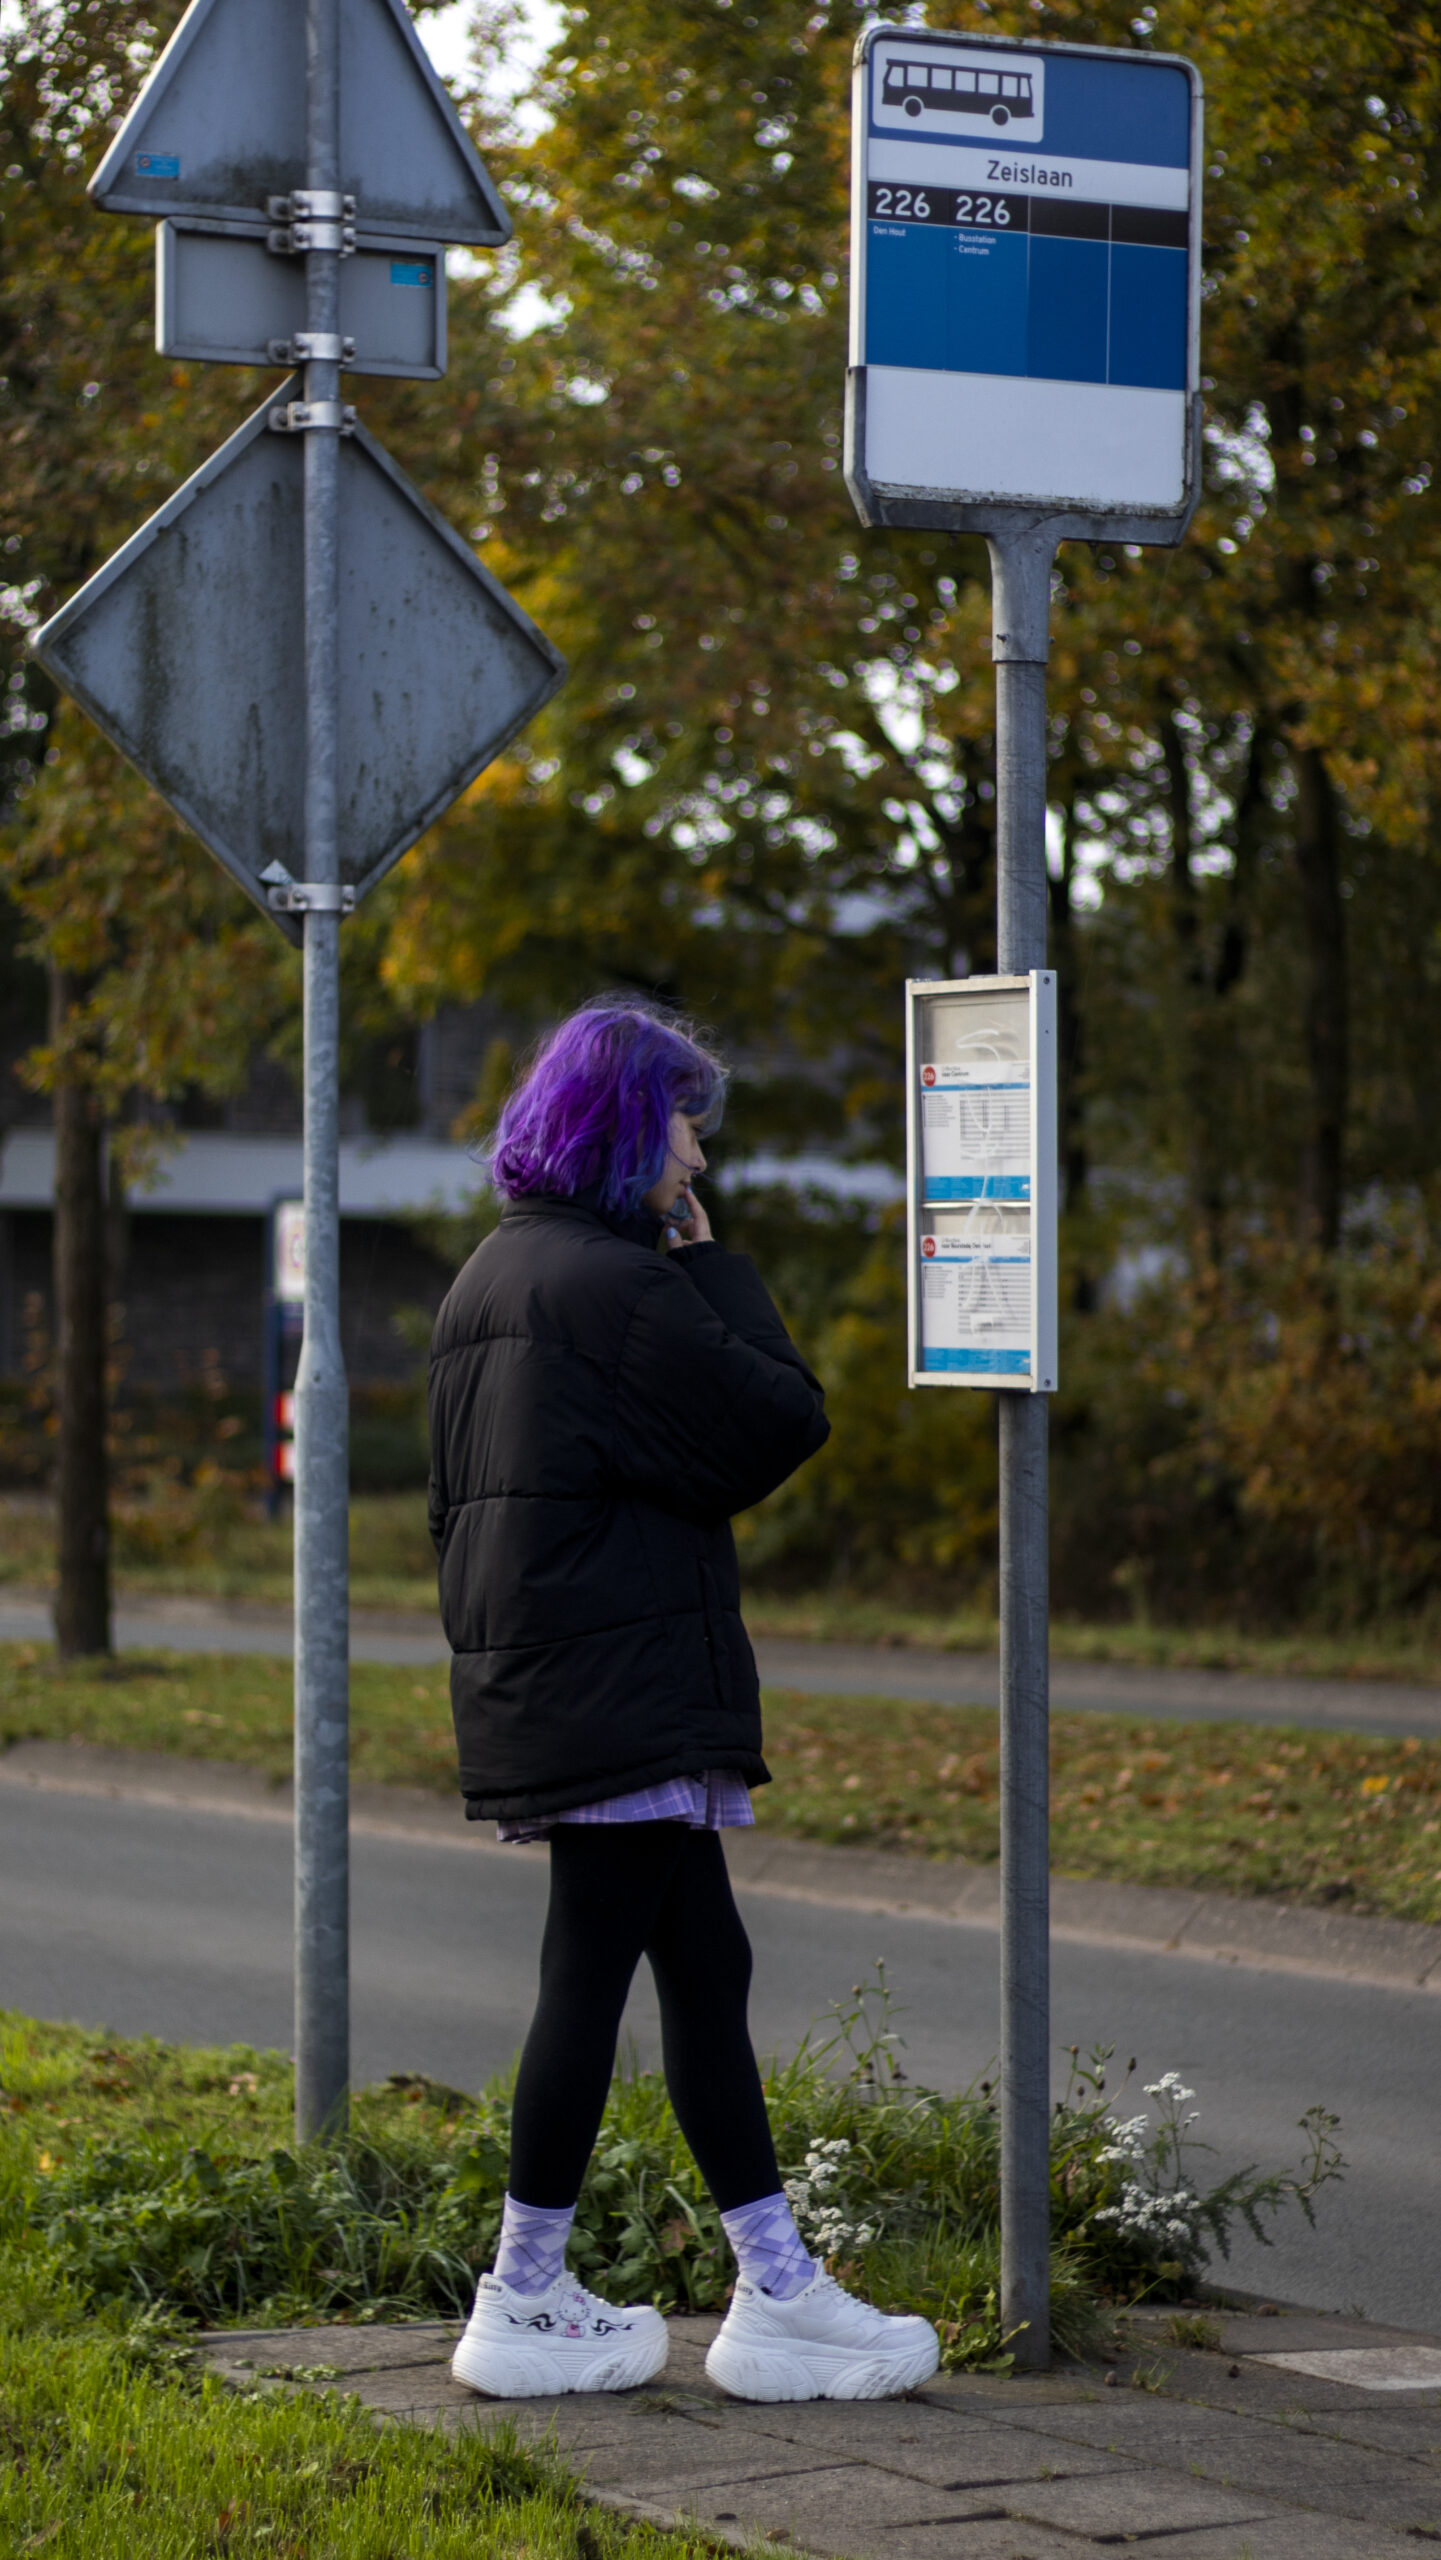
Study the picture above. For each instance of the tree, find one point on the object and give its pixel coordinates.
(1297, 687)
(159, 975)
(767, 782)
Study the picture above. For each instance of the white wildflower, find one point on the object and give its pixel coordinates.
(820, 2214)
(1128, 2142)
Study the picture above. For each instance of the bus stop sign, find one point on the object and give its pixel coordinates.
(1025, 285)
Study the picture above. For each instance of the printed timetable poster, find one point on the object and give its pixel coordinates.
(1025, 289)
(976, 1291)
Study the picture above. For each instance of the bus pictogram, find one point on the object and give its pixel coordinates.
(960, 89)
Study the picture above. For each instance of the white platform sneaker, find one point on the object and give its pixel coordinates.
(820, 2345)
(526, 2346)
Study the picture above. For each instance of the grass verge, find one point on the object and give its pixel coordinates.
(146, 2187)
(1346, 1819)
(246, 1557)
(112, 2436)
(1400, 1653)
(114, 2442)
(1331, 1818)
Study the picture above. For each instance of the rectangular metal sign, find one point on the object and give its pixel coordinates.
(981, 1181)
(221, 297)
(1025, 279)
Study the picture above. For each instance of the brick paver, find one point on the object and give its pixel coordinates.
(1200, 2455)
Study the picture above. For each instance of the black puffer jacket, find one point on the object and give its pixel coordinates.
(597, 1413)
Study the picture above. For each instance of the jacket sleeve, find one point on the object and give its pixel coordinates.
(714, 1405)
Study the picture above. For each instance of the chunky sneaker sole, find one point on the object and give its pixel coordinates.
(520, 2346)
(820, 2345)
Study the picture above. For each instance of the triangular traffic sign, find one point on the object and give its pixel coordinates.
(220, 125)
(185, 648)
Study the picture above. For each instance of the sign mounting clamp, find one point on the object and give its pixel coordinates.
(296, 417)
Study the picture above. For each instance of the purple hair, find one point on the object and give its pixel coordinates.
(595, 1108)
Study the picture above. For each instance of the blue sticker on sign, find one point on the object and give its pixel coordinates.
(983, 1364)
(407, 272)
(157, 164)
(978, 1186)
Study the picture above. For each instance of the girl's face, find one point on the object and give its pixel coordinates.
(684, 1160)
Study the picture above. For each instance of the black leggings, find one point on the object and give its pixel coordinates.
(619, 1891)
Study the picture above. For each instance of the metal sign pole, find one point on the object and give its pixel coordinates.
(182, 650)
(1020, 628)
(322, 1570)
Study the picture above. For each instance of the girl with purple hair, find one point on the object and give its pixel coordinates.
(608, 1387)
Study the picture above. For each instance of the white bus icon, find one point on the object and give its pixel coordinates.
(959, 89)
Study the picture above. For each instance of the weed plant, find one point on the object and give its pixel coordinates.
(189, 2203)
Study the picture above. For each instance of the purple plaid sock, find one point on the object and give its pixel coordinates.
(532, 2245)
(769, 2250)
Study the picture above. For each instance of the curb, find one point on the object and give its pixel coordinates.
(1272, 1937)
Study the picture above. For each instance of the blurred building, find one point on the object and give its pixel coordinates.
(188, 1251)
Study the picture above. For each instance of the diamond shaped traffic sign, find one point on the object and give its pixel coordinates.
(220, 125)
(185, 649)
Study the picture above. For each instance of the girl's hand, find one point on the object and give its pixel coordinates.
(687, 1222)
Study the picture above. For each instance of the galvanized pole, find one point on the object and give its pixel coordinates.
(1020, 629)
(322, 1568)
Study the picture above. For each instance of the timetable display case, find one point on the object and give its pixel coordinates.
(982, 1181)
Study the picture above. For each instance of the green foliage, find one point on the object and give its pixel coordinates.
(170, 975)
(114, 2440)
(766, 791)
(906, 1485)
(1254, 1438)
(1313, 1386)
(897, 2186)
(165, 976)
(370, 2225)
(768, 782)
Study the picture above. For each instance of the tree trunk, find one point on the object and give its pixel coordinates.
(1071, 1042)
(1070, 1028)
(82, 1599)
(1323, 919)
(1197, 1027)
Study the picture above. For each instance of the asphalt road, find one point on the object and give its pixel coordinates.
(853, 1670)
(152, 1918)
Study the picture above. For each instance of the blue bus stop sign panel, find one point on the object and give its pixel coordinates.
(1022, 286)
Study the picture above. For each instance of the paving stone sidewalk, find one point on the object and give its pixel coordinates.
(1302, 2436)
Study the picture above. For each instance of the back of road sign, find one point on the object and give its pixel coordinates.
(981, 1181)
(220, 298)
(1025, 282)
(185, 648)
(220, 125)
